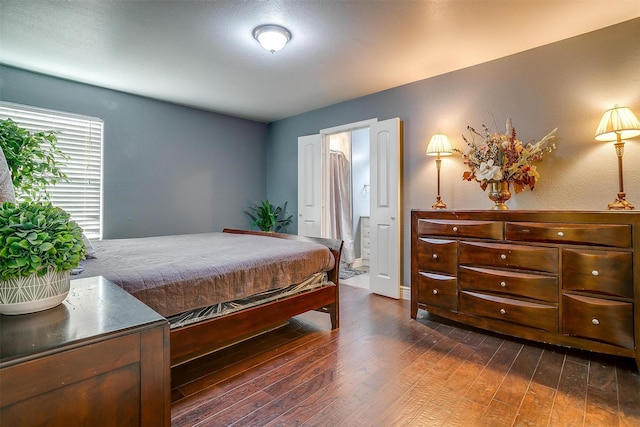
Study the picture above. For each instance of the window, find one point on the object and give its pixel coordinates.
(79, 137)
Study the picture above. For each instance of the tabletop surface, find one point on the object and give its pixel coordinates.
(94, 308)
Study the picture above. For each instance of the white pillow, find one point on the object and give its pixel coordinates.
(7, 194)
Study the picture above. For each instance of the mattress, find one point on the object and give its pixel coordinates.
(181, 273)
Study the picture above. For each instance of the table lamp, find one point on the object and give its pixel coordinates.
(439, 145)
(618, 123)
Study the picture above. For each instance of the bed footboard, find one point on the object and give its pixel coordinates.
(198, 339)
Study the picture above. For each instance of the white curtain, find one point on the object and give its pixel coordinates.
(340, 226)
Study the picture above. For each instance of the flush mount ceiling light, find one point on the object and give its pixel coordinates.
(272, 37)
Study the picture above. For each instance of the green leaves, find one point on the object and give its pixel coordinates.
(33, 158)
(268, 217)
(34, 236)
(45, 247)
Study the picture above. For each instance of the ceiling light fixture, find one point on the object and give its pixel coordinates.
(272, 37)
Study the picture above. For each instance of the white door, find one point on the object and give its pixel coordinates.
(310, 185)
(385, 218)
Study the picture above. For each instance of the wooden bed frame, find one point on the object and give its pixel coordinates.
(195, 340)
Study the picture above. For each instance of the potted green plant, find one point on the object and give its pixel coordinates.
(268, 217)
(40, 245)
(33, 158)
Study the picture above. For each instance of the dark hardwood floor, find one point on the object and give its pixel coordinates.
(382, 368)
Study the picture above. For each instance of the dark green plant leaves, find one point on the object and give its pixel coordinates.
(267, 217)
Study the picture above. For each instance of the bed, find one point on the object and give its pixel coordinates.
(216, 289)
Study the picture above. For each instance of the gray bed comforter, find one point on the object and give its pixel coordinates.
(174, 274)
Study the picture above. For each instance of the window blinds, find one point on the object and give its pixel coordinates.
(79, 137)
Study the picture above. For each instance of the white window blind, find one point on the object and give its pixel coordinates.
(80, 138)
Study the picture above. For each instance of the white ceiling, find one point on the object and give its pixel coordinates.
(201, 53)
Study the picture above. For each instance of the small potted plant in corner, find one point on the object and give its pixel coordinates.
(40, 245)
(268, 217)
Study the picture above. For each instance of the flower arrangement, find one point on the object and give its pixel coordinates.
(503, 157)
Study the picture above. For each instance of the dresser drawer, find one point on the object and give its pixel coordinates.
(366, 232)
(598, 319)
(366, 253)
(534, 258)
(365, 242)
(615, 235)
(438, 290)
(540, 316)
(544, 288)
(603, 272)
(461, 228)
(437, 255)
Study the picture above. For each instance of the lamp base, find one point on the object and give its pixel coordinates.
(620, 204)
(439, 204)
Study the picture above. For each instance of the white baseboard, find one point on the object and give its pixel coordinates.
(405, 291)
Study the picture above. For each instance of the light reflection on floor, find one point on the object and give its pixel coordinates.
(359, 281)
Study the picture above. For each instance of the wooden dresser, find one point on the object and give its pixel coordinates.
(101, 358)
(562, 277)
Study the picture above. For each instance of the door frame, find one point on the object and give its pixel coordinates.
(324, 141)
(348, 127)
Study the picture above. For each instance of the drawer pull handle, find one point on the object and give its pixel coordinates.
(595, 272)
(503, 311)
(503, 284)
(434, 256)
(435, 292)
(595, 321)
(455, 229)
(503, 256)
(560, 234)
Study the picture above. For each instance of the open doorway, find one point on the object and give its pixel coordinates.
(348, 212)
(376, 184)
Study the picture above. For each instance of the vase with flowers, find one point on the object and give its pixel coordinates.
(501, 160)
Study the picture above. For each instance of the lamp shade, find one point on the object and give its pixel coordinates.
(439, 145)
(617, 120)
(272, 37)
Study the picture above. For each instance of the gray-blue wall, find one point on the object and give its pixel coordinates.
(361, 182)
(168, 169)
(568, 84)
(171, 169)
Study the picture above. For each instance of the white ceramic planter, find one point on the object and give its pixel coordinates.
(34, 293)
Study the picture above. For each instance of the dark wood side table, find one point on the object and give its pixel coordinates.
(100, 358)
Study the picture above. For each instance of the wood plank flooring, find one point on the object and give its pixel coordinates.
(381, 368)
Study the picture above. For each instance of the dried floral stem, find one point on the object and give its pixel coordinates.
(503, 157)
